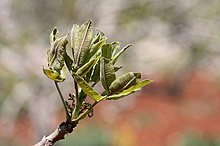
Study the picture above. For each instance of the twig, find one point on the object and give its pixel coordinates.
(83, 115)
(68, 118)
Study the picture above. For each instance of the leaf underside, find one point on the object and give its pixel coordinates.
(54, 75)
(115, 58)
(130, 90)
(107, 51)
(86, 67)
(81, 39)
(88, 89)
(122, 82)
(107, 73)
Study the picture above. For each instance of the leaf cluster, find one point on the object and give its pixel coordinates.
(92, 60)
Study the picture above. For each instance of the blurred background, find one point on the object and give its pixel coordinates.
(175, 43)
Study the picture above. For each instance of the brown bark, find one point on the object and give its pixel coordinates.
(59, 134)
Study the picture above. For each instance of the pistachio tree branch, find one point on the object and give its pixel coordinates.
(92, 60)
(59, 134)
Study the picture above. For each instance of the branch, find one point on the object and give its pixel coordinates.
(63, 129)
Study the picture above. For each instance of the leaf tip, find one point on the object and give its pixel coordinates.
(55, 30)
(127, 46)
(89, 21)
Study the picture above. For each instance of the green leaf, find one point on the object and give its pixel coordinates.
(87, 88)
(57, 54)
(107, 51)
(56, 58)
(69, 63)
(54, 75)
(95, 47)
(117, 68)
(134, 81)
(124, 82)
(96, 38)
(107, 73)
(99, 35)
(51, 52)
(54, 35)
(86, 67)
(115, 47)
(73, 40)
(95, 76)
(130, 90)
(115, 58)
(82, 96)
(80, 41)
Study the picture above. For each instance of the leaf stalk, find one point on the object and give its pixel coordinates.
(68, 118)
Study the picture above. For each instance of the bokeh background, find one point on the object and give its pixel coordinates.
(175, 43)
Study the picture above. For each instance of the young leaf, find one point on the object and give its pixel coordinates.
(56, 54)
(115, 47)
(54, 75)
(115, 58)
(95, 47)
(51, 52)
(69, 63)
(117, 68)
(107, 73)
(107, 51)
(54, 35)
(95, 76)
(96, 38)
(134, 81)
(123, 82)
(82, 96)
(56, 58)
(130, 90)
(81, 39)
(87, 88)
(73, 40)
(86, 67)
